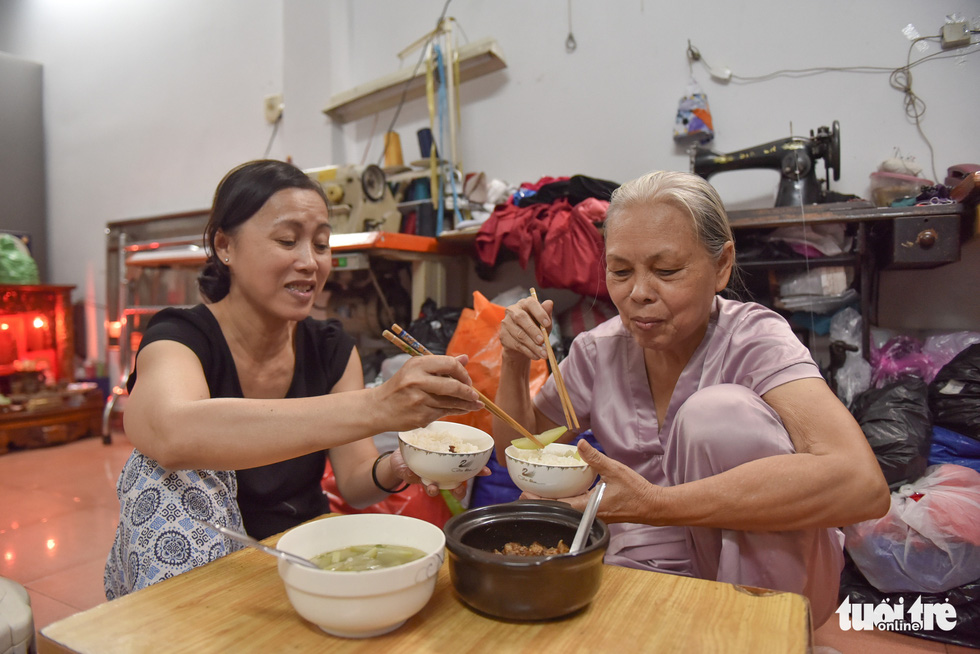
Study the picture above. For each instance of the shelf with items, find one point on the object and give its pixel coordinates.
(816, 285)
(476, 59)
(413, 192)
(447, 65)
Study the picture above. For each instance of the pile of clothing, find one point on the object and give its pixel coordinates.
(553, 221)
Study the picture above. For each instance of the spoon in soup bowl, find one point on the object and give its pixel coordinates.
(247, 540)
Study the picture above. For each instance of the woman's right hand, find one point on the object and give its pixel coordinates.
(426, 389)
(520, 330)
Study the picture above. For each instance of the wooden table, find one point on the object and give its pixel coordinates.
(238, 604)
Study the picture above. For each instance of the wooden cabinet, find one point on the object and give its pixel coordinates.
(884, 237)
(43, 406)
(36, 331)
(52, 417)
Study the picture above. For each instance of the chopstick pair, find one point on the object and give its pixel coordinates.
(412, 347)
(571, 420)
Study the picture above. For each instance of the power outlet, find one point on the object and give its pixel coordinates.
(273, 107)
(955, 35)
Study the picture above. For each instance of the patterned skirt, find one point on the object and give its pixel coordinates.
(157, 536)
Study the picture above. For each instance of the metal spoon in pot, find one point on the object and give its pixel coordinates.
(585, 525)
(251, 542)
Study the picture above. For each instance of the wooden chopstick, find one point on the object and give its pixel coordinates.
(571, 420)
(400, 344)
(410, 339)
(420, 350)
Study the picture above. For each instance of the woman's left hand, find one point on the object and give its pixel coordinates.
(401, 469)
(628, 496)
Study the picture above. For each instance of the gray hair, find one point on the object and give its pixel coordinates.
(687, 191)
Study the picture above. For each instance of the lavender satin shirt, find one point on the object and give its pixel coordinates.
(745, 344)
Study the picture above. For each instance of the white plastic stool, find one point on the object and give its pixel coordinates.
(16, 619)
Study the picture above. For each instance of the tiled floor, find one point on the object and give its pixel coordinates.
(58, 513)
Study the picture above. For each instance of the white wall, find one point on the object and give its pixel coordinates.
(146, 106)
(148, 103)
(22, 177)
(607, 109)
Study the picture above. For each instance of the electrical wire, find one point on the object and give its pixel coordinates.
(694, 54)
(275, 129)
(415, 71)
(915, 107)
(370, 140)
(898, 78)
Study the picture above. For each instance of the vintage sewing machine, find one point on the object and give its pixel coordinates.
(360, 200)
(794, 157)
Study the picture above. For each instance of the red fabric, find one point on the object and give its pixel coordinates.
(565, 244)
(593, 209)
(511, 227)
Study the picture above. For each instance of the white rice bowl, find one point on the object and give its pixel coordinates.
(438, 439)
(552, 472)
(427, 452)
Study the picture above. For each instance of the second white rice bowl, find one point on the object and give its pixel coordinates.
(553, 472)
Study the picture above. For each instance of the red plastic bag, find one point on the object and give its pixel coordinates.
(929, 541)
(477, 337)
(412, 502)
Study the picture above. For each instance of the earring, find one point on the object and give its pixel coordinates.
(226, 259)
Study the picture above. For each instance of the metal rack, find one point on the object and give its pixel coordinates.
(153, 263)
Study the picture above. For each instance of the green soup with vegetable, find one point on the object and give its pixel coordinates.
(366, 557)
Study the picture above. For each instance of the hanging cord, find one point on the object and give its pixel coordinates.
(915, 107)
(806, 239)
(693, 54)
(442, 110)
(367, 147)
(415, 72)
(570, 43)
(275, 130)
(445, 126)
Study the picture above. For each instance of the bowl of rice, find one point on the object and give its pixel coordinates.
(552, 472)
(445, 453)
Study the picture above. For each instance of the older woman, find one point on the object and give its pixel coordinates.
(248, 382)
(727, 456)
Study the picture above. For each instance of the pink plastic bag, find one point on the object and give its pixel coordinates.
(900, 356)
(929, 541)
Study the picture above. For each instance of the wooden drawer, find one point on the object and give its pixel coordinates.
(920, 241)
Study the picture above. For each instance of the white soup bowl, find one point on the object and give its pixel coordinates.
(370, 602)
